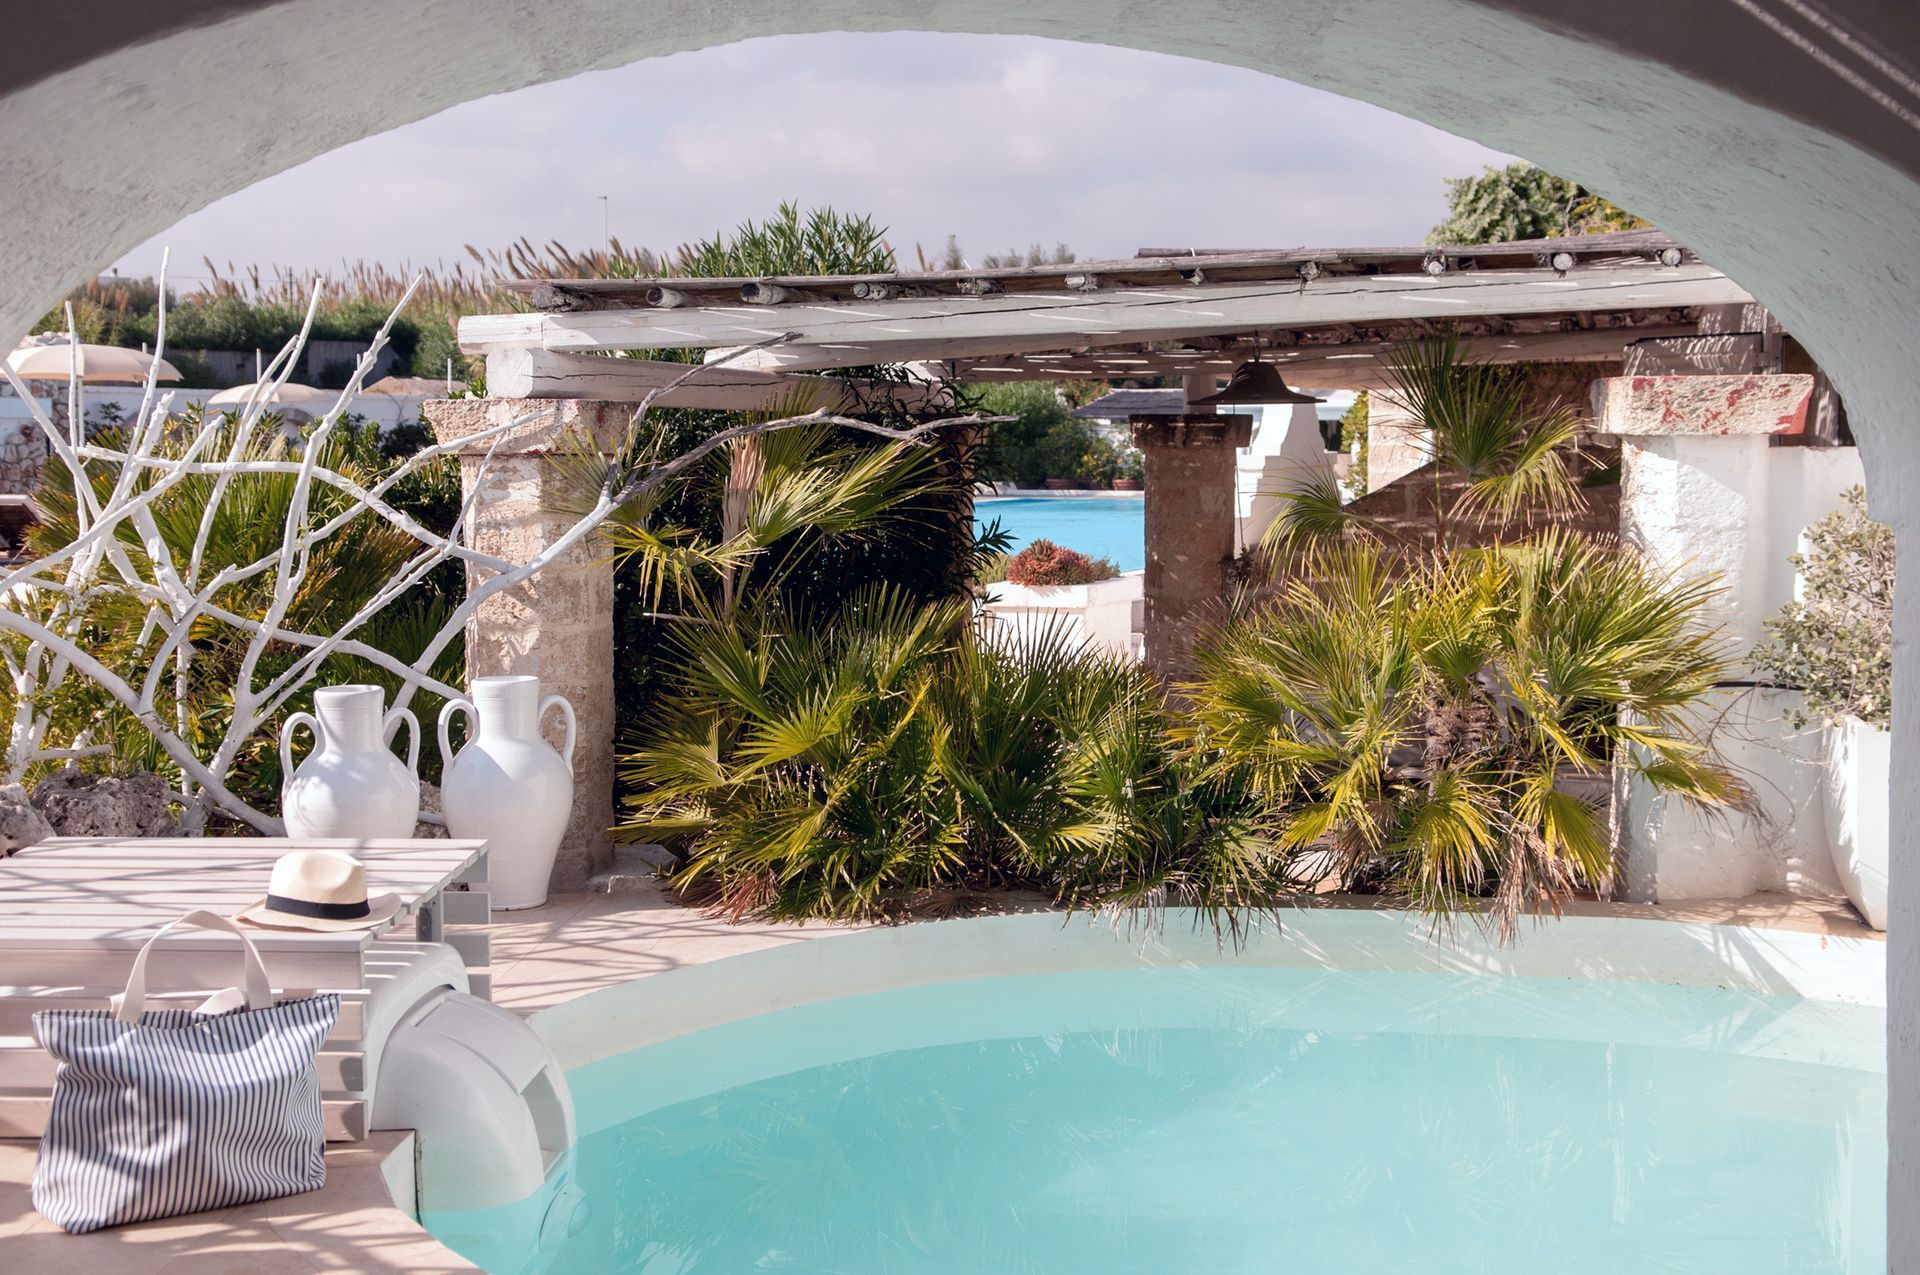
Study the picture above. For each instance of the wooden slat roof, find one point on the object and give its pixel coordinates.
(1150, 268)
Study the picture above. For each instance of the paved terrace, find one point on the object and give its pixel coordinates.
(574, 944)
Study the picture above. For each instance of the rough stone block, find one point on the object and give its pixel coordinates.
(1192, 429)
(542, 423)
(1705, 406)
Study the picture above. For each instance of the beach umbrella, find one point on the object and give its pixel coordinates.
(98, 363)
(292, 395)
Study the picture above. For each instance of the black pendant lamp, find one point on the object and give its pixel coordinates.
(1255, 382)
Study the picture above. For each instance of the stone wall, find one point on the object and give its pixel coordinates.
(557, 626)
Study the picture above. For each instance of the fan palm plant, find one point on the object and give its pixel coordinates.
(1426, 733)
(846, 760)
(1481, 427)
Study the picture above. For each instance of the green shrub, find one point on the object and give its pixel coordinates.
(856, 769)
(1045, 565)
(1836, 643)
(852, 755)
(1045, 440)
(1416, 734)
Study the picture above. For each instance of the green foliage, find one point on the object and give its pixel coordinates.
(1045, 440)
(228, 321)
(847, 763)
(346, 570)
(1044, 565)
(822, 242)
(1483, 429)
(916, 552)
(1522, 201)
(1836, 642)
(1424, 734)
(1354, 440)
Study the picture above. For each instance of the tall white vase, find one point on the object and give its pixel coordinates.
(351, 785)
(1856, 790)
(508, 785)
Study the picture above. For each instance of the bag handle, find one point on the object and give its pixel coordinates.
(259, 992)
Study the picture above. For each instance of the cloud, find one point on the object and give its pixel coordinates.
(1002, 141)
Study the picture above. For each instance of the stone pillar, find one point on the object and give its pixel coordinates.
(557, 626)
(1703, 491)
(1397, 444)
(1190, 523)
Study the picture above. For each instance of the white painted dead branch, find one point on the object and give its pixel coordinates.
(45, 603)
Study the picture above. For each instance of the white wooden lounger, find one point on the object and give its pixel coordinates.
(74, 910)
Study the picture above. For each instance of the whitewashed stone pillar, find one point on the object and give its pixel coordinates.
(1704, 491)
(557, 626)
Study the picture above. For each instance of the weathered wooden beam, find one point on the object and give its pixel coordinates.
(1150, 267)
(554, 375)
(1087, 358)
(956, 327)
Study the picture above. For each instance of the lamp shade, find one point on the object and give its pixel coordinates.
(1255, 382)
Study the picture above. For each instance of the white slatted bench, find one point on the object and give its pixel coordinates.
(75, 910)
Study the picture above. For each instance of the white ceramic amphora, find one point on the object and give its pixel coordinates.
(351, 784)
(1855, 789)
(508, 785)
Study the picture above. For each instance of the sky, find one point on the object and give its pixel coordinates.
(1002, 141)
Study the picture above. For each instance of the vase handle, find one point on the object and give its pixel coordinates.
(394, 719)
(294, 722)
(446, 719)
(566, 751)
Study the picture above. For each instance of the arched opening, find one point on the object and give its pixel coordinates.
(1780, 154)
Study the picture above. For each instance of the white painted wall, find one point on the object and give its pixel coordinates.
(387, 410)
(1737, 508)
(1285, 453)
(1105, 614)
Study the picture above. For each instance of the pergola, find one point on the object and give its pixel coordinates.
(1326, 317)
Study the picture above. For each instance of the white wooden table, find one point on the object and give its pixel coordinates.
(75, 910)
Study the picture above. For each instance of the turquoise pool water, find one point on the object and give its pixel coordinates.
(1233, 1120)
(1112, 527)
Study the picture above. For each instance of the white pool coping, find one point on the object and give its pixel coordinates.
(1814, 967)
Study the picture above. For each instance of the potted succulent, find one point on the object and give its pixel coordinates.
(1836, 645)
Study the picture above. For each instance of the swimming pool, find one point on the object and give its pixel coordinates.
(1225, 1117)
(1113, 527)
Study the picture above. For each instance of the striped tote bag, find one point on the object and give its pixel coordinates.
(174, 1111)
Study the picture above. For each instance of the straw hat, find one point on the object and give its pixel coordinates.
(319, 890)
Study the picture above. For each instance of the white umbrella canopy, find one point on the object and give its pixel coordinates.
(292, 394)
(98, 363)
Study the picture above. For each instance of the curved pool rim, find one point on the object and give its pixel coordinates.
(1813, 967)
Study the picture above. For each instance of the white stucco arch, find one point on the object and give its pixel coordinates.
(1783, 154)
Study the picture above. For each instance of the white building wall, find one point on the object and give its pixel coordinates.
(1105, 614)
(1735, 507)
(1285, 453)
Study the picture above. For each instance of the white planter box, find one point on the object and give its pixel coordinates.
(1855, 789)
